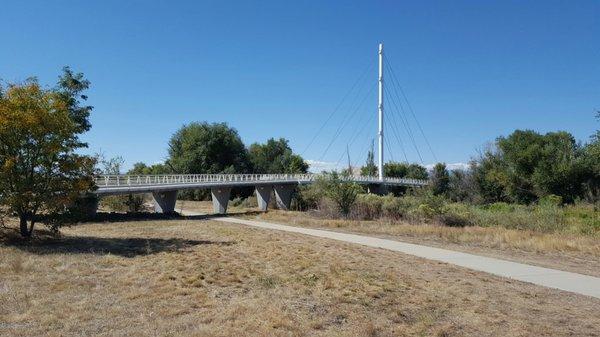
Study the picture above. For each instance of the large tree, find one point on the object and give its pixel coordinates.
(207, 148)
(527, 165)
(40, 171)
(440, 179)
(275, 156)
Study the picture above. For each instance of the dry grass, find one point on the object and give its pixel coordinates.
(572, 252)
(202, 278)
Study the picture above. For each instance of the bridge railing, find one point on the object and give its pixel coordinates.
(168, 179)
(175, 179)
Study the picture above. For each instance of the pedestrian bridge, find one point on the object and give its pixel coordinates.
(164, 187)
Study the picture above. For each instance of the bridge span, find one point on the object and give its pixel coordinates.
(164, 187)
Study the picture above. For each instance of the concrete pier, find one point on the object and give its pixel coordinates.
(164, 201)
(283, 195)
(220, 199)
(263, 195)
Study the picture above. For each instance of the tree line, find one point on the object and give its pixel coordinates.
(44, 177)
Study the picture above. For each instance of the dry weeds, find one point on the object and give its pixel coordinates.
(202, 278)
(571, 252)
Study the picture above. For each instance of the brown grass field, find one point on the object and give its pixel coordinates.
(194, 277)
(570, 252)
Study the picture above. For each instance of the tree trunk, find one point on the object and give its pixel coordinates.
(25, 230)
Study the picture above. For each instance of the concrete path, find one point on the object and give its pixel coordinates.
(552, 278)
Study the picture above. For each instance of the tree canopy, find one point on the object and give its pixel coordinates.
(440, 179)
(527, 165)
(207, 148)
(275, 156)
(40, 171)
(404, 170)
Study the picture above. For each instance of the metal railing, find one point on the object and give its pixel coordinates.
(191, 179)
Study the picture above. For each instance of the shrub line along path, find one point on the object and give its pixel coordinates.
(552, 278)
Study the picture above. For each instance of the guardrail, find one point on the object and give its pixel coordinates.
(171, 179)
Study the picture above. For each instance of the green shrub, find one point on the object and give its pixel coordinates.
(455, 215)
(500, 207)
(368, 207)
(237, 201)
(395, 208)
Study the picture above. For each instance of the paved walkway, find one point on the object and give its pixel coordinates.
(552, 278)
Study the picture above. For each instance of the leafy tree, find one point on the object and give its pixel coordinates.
(370, 169)
(440, 179)
(207, 148)
(462, 186)
(590, 162)
(395, 169)
(276, 156)
(526, 166)
(342, 191)
(141, 168)
(416, 171)
(40, 171)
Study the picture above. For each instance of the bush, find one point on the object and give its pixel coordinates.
(395, 208)
(131, 203)
(455, 215)
(368, 207)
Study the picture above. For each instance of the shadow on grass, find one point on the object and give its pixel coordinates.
(146, 216)
(47, 242)
(126, 247)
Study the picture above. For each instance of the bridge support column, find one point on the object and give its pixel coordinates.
(164, 201)
(220, 199)
(263, 195)
(283, 195)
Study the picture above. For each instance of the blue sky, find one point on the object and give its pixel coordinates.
(472, 70)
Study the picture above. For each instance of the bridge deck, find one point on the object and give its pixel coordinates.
(124, 184)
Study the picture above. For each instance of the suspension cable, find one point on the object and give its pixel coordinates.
(395, 78)
(369, 66)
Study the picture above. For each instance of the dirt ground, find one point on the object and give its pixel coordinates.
(204, 278)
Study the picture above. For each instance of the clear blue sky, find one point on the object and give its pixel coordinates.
(472, 70)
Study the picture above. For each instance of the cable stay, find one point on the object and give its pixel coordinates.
(395, 78)
(361, 77)
(407, 127)
(345, 122)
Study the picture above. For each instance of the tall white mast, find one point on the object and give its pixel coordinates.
(380, 112)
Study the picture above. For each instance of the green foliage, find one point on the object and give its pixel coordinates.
(275, 156)
(462, 187)
(395, 169)
(368, 207)
(526, 166)
(40, 169)
(342, 191)
(141, 168)
(404, 170)
(207, 148)
(370, 169)
(440, 180)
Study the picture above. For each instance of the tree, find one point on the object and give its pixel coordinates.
(341, 190)
(395, 170)
(416, 171)
(526, 166)
(207, 148)
(141, 168)
(462, 186)
(40, 171)
(440, 179)
(275, 156)
(370, 169)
